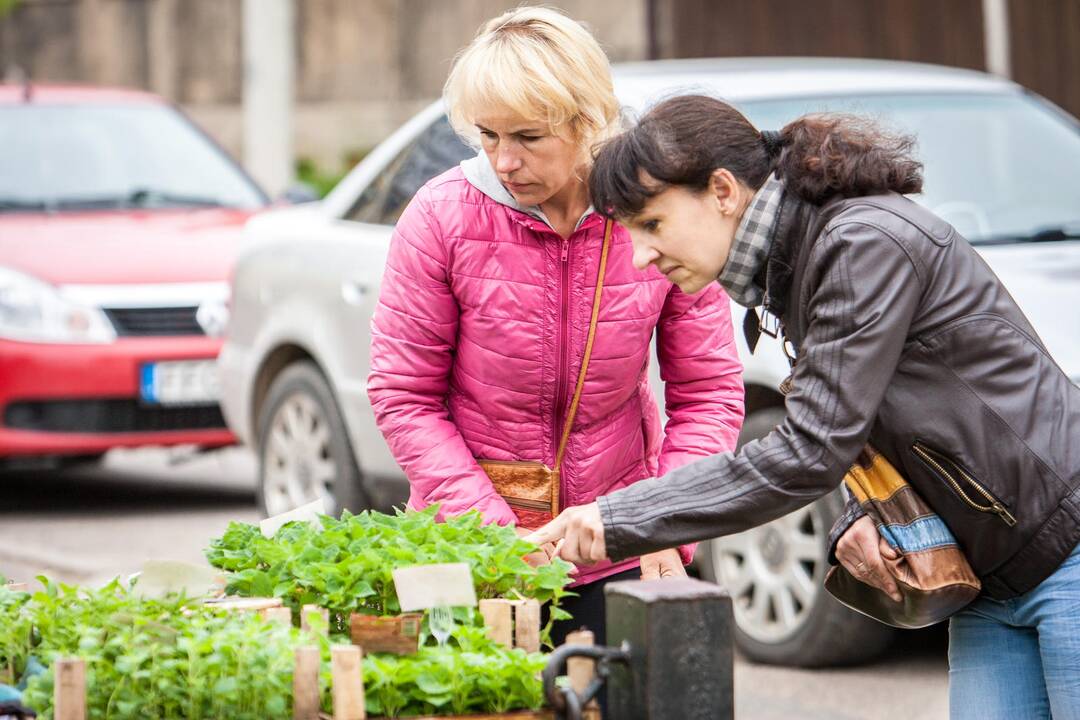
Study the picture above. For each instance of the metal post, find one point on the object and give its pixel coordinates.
(996, 37)
(269, 50)
(679, 635)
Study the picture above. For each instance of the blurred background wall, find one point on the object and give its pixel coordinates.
(363, 66)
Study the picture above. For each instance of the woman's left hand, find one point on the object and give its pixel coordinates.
(578, 534)
(662, 565)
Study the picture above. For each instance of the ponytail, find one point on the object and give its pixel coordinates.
(823, 156)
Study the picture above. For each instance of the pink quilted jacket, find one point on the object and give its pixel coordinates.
(479, 335)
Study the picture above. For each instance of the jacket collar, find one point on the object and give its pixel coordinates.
(479, 173)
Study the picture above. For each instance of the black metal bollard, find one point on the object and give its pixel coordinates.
(679, 634)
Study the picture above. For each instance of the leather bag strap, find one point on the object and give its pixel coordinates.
(588, 347)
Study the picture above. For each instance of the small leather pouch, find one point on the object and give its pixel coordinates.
(531, 489)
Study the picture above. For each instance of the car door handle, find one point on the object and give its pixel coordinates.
(353, 292)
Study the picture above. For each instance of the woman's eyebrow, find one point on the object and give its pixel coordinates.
(529, 130)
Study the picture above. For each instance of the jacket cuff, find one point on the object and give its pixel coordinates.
(498, 512)
(852, 512)
(615, 541)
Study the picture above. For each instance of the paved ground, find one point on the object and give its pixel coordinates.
(89, 524)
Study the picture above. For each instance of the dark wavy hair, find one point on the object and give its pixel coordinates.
(684, 139)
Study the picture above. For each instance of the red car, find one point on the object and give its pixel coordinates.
(119, 224)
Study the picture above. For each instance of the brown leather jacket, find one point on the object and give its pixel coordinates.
(907, 339)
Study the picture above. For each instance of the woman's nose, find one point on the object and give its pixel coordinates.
(506, 160)
(644, 255)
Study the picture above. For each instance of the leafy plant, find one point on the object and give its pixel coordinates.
(167, 658)
(175, 658)
(346, 565)
(471, 675)
(15, 646)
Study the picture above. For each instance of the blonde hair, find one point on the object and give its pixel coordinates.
(540, 64)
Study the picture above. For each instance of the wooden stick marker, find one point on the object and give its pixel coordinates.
(69, 689)
(581, 670)
(306, 683)
(281, 615)
(348, 682)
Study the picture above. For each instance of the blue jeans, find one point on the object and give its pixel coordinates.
(1019, 658)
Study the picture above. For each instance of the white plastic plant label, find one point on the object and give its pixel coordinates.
(161, 577)
(309, 512)
(421, 587)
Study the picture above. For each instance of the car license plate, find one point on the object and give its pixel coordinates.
(179, 382)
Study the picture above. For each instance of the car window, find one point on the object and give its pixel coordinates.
(436, 150)
(998, 167)
(77, 157)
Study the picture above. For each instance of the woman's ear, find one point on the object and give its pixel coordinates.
(725, 189)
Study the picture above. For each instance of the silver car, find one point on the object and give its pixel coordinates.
(1000, 165)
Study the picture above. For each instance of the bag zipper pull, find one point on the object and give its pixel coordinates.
(1004, 513)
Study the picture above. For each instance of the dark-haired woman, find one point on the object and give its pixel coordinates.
(903, 338)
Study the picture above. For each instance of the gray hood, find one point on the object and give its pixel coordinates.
(482, 176)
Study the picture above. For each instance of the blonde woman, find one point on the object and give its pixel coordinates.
(486, 308)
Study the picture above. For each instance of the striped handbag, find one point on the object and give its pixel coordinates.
(931, 572)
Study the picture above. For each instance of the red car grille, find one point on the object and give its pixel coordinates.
(109, 415)
(158, 321)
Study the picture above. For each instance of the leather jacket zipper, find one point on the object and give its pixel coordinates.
(960, 479)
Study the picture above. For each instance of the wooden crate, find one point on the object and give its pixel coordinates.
(398, 634)
(514, 623)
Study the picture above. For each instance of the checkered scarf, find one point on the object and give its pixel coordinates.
(751, 245)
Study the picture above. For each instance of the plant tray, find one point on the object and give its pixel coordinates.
(398, 634)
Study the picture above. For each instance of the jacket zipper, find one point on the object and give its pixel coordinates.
(564, 342)
(936, 461)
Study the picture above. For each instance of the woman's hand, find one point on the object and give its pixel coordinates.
(662, 565)
(578, 534)
(542, 556)
(860, 550)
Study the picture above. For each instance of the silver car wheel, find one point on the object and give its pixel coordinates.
(299, 466)
(774, 573)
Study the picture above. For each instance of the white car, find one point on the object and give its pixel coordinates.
(1000, 164)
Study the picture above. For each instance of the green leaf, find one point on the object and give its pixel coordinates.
(558, 613)
(432, 685)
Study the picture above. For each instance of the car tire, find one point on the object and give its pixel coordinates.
(775, 574)
(303, 447)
